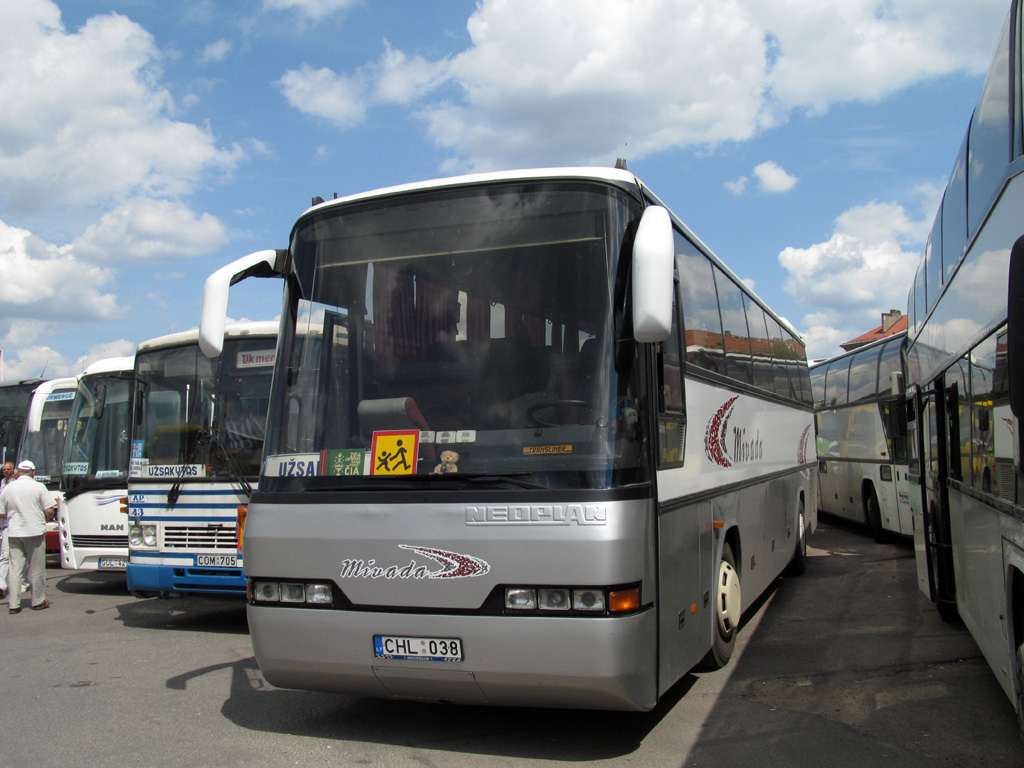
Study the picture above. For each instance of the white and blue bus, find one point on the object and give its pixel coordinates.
(192, 464)
(93, 531)
(861, 419)
(965, 404)
(530, 443)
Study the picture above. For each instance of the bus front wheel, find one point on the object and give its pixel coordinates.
(728, 607)
(874, 514)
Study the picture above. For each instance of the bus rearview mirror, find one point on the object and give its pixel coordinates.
(653, 255)
(1015, 328)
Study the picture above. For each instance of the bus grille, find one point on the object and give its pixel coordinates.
(200, 537)
(100, 541)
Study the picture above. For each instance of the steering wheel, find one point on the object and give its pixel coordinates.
(531, 412)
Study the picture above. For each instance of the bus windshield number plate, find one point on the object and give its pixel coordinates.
(224, 561)
(422, 648)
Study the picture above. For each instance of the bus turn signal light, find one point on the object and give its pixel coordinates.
(624, 600)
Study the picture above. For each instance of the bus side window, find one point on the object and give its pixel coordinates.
(671, 418)
(701, 320)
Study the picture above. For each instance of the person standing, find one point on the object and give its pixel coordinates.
(27, 506)
(5, 559)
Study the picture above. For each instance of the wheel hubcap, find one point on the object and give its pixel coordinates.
(728, 598)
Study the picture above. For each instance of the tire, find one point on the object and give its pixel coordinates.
(874, 515)
(798, 564)
(728, 608)
(1020, 687)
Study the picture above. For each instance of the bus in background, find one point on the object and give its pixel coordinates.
(861, 418)
(965, 404)
(530, 443)
(42, 441)
(93, 530)
(196, 441)
(14, 399)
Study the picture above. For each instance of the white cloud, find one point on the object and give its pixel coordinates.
(565, 81)
(215, 51)
(772, 178)
(344, 99)
(42, 361)
(323, 93)
(143, 230)
(88, 108)
(49, 283)
(310, 9)
(864, 269)
(739, 186)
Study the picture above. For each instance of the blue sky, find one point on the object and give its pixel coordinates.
(143, 145)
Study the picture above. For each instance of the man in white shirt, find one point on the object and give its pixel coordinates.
(26, 506)
(5, 559)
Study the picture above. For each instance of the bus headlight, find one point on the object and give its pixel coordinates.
(299, 593)
(553, 599)
(573, 601)
(142, 535)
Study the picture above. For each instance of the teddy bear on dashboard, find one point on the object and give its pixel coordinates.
(448, 463)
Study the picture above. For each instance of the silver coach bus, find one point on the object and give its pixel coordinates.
(529, 443)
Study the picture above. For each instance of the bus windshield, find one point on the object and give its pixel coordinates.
(13, 404)
(204, 417)
(463, 332)
(45, 448)
(97, 455)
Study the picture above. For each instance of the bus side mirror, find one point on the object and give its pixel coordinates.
(99, 401)
(213, 316)
(896, 383)
(652, 279)
(1015, 329)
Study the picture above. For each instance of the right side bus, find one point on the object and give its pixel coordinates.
(965, 339)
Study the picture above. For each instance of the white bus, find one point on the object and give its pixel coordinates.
(93, 530)
(861, 418)
(494, 474)
(14, 399)
(191, 469)
(42, 441)
(965, 404)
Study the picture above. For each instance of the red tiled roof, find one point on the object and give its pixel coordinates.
(876, 333)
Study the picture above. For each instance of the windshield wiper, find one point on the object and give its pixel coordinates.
(510, 479)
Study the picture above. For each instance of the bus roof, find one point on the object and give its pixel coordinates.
(855, 350)
(256, 328)
(532, 174)
(111, 365)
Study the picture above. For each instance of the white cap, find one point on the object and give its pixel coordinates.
(27, 466)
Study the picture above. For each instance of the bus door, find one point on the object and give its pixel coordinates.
(937, 537)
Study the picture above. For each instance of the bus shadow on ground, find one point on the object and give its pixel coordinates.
(539, 734)
(90, 582)
(185, 615)
(562, 735)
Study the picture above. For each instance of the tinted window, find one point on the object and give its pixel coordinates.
(837, 381)
(734, 325)
(864, 374)
(990, 135)
(760, 346)
(701, 319)
(954, 222)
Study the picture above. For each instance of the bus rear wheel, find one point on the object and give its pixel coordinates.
(728, 607)
(798, 564)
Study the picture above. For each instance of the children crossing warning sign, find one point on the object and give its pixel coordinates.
(394, 452)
